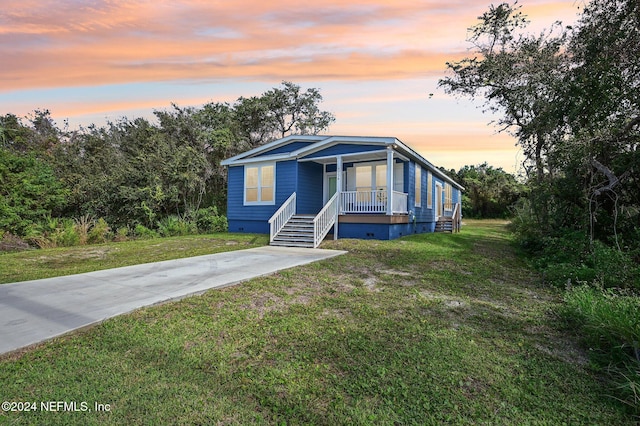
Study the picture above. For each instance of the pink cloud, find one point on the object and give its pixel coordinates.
(67, 43)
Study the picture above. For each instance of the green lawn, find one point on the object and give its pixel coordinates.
(428, 329)
(31, 265)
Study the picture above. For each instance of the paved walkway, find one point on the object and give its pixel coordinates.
(34, 311)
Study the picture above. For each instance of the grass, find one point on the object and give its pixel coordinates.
(428, 329)
(46, 263)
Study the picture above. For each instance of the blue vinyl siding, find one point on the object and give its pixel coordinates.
(235, 192)
(306, 178)
(254, 218)
(286, 178)
(344, 149)
(310, 187)
(423, 214)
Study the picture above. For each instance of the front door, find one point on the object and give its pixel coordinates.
(330, 186)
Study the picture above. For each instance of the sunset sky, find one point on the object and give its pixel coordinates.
(374, 61)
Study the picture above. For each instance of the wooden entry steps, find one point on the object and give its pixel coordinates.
(297, 232)
(444, 224)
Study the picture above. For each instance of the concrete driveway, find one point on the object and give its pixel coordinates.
(34, 311)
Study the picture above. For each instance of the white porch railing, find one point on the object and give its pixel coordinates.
(372, 202)
(324, 220)
(400, 202)
(280, 217)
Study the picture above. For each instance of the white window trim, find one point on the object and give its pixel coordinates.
(259, 166)
(415, 186)
(429, 190)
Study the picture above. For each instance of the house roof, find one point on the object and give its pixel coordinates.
(306, 145)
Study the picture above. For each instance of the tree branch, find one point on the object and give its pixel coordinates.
(613, 179)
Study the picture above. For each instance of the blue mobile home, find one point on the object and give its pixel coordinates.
(299, 188)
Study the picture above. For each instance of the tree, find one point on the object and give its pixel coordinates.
(132, 172)
(282, 111)
(521, 77)
(603, 110)
(293, 111)
(489, 192)
(29, 191)
(572, 99)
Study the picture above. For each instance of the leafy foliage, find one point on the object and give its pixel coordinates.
(571, 96)
(28, 191)
(489, 192)
(138, 174)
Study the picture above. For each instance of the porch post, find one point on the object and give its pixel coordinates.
(389, 181)
(339, 182)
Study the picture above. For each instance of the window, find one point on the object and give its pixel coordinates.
(429, 190)
(363, 178)
(448, 197)
(418, 186)
(259, 184)
(369, 177)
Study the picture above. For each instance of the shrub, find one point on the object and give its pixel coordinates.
(83, 225)
(571, 258)
(100, 232)
(144, 233)
(172, 226)
(65, 235)
(614, 268)
(55, 232)
(525, 225)
(208, 220)
(122, 234)
(29, 190)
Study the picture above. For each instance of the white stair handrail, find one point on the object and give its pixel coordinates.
(325, 220)
(281, 216)
(456, 218)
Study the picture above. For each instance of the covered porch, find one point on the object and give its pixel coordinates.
(365, 183)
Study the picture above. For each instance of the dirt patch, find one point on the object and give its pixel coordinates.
(11, 243)
(394, 272)
(446, 300)
(87, 254)
(370, 284)
(454, 304)
(269, 302)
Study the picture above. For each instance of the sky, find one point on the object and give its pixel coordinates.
(376, 62)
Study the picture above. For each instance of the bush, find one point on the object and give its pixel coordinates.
(173, 226)
(83, 225)
(29, 190)
(614, 268)
(208, 220)
(100, 232)
(145, 233)
(55, 232)
(525, 225)
(122, 234)
(571, 258)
